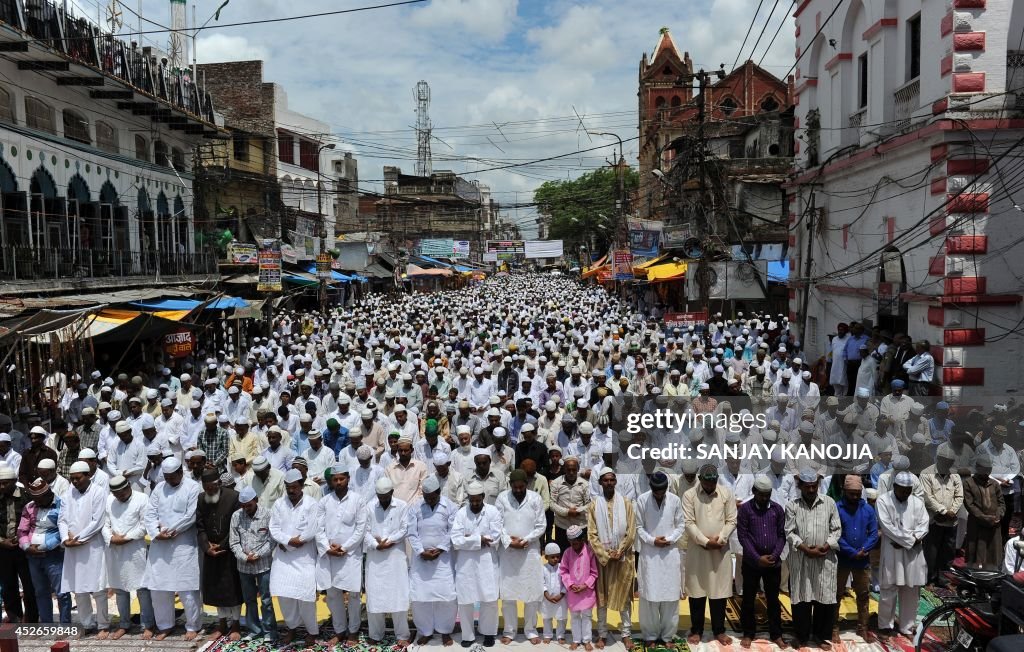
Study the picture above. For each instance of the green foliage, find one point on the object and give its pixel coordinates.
(574, 208)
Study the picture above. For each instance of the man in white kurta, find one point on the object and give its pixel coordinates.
(659, 527)
(387, 567)
(81, 525)
(293, 579)
(173, 562)
(476, 532)
(903, 520)
(520, 563)
(340, 544)
(125, 535)
(431, 573)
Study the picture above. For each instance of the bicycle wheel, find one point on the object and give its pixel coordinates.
(940, 631)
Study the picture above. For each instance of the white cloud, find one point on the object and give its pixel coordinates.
(485, 18)
(582, 38)
(222, 47)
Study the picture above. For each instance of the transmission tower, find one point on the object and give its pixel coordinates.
(177, 47)
(424, 166)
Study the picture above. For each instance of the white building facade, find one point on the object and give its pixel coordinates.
(96, 142)
(904, 206)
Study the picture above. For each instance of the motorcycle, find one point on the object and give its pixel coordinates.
(969, 618)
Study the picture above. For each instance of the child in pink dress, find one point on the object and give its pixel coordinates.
(579, 576)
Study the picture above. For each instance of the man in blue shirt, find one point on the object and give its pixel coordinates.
(859, 537)
(852, 353)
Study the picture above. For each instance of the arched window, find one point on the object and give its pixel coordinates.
(76, 127)
(106, 137)
(160, 153)
(6, 106)
(769, 104)
(676, 100)
(39, 115)
(728, 106)
(141, 148)
(659, 103)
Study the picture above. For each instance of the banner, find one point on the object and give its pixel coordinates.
(323, 266)
(179, 344)
(622, 265)
(270, 266)
(683, 320)
(543, 248)
(460, 249)
(676, 235)
(242, 253)
(437, 248)
(490, 257)
(645, 237)
(288, 254)
(508, 247)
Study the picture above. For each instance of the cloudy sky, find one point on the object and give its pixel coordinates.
(507, 76)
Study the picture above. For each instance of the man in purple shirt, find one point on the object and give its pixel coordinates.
(760, 526)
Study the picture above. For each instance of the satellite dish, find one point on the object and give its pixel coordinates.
(692, 248)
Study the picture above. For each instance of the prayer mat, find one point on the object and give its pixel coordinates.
(263, 645)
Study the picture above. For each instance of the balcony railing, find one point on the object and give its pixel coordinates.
(907, 100)
(857, 118)
(36, 264)
(85, 43)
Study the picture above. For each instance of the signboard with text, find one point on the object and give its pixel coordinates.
(622, 265)
(179, 344)
(323, 266)
(270, 266)
(683, 320)
(242, 253)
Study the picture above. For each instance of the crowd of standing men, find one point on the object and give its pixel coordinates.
(446, 453)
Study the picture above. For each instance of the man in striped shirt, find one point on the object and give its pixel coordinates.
(250, 542)
(813, 529)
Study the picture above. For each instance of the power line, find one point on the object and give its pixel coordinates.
(747, 35)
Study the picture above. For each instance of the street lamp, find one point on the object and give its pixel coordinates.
(323, 224)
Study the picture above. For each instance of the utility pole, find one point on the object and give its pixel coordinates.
(705, 227)
(322, 294)
(811, 210)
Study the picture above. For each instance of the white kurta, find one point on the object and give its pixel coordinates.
(434, 580)
(659, 573)
(293, 574)
(476, 566)
(905, 524)
(173, 564)
(126, 563)
(521, 569)
(343, 522)
(387, 571)
(838, 371)
(82, 517)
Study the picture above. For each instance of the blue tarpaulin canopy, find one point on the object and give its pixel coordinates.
(778, 271)
(222, 303)
(335, 276)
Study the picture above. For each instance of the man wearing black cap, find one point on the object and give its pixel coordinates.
(220, 583)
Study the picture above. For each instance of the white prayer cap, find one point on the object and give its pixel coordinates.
(38, 430)
(901, 463)
(151, 394)
(808, 474)
(762, 483)
(79, 467)
(806, 427)
(574, 532)
(364, 452)
(259, 463)
(586, 428)
(605, 471)
(863, 392)
(118, 482)
(46, 463)
(165, 403)
(292, 476)
(499, 433)
(552, 549)
(339, 468)
(384, 485)
(5, 436)
(247, 495)
(475, 489)
(431, 484)
(146, 422)
(441, 458)
(904, 479)
(122, 426)
(87, 454)
(195, 405)
(550, 406)
(170, 465)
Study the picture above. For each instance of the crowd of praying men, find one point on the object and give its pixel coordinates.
(444, 453)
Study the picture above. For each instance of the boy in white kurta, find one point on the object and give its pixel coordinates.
(340, 544)
(294, 527)
(125, 535)
(81, 524)
(553, 608)
(387, 567)
(903, 520)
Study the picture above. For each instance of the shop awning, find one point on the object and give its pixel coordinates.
(42, 322)
(110, 325)
(649, 263)
(335, 276)
(594, 271)
(376, 270)
(666, 271)
(413, 270)
(222, 303)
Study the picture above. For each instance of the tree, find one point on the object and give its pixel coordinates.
(583, 211)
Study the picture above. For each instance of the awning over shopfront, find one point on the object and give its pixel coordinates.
(666, 271)
(142, 327)
(222, 303)
(413, 270)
